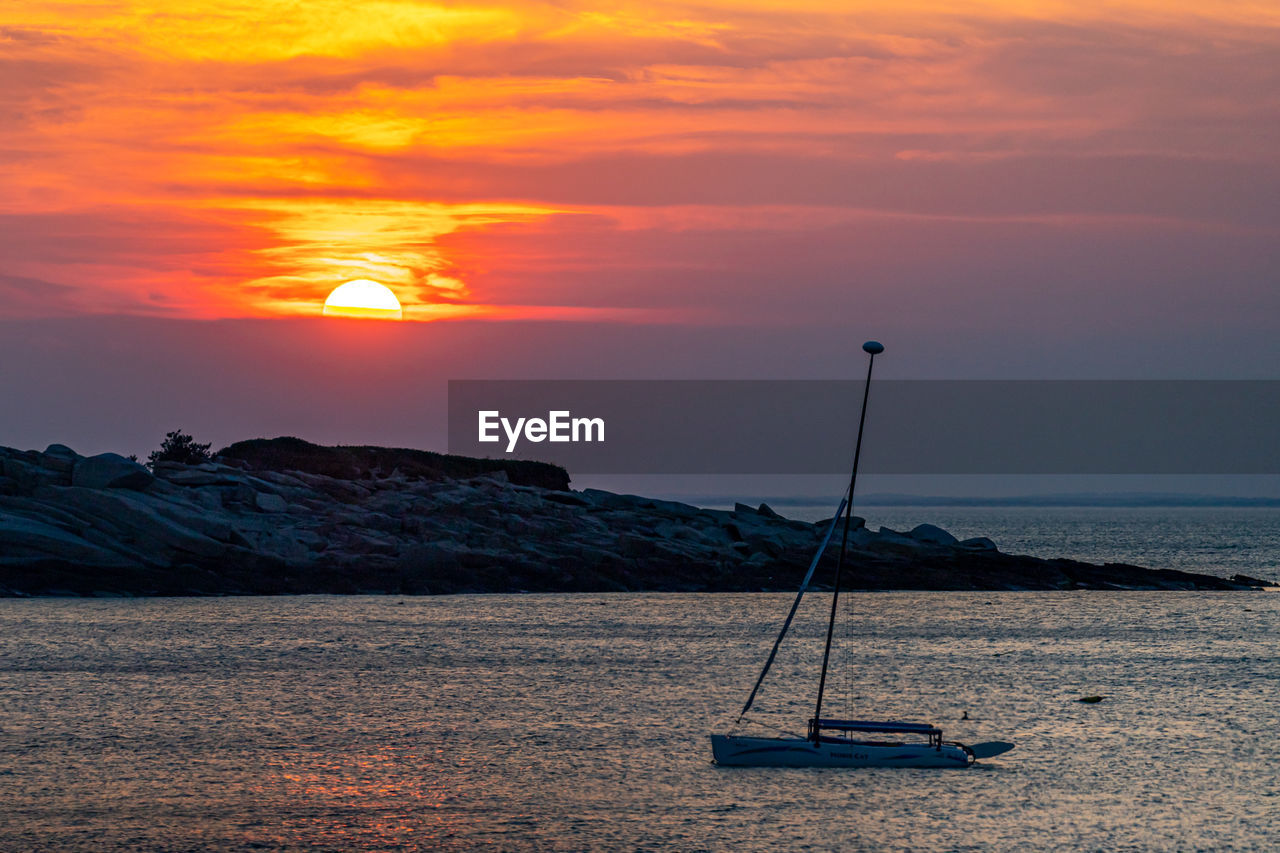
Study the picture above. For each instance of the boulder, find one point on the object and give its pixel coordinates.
(26, 539)
(889, 539)
(767, 511)
(194, 477)
(30, 476)
(110, 471)
(59, 457)
(977, 543)
(856, 522)
(270, 503)
(281, 479)
(932, 533)
(861, 537)
(566, 498)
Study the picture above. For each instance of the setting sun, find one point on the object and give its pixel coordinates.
(363, 298)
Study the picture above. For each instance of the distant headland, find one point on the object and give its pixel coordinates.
(284, 516)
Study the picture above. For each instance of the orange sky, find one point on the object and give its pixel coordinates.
(656, 162)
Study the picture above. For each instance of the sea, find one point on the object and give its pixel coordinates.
(1216, 540)
(581, 722)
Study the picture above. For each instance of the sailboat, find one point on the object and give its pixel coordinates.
(845, 743)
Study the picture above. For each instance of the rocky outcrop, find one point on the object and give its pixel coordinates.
(353, 520)
(109, 471)
(932, 534)
(362, 463)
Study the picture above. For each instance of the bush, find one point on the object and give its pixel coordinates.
(180, 447)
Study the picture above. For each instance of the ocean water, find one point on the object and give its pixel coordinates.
(580, 722)
(1215, 540)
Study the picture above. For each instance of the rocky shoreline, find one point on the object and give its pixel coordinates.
(282, 516)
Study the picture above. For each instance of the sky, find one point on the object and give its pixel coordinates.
(741, 189)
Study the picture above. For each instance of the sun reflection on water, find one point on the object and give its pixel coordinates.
(392, 797)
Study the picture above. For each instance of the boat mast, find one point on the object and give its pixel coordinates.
(872, 348)
(795, 605)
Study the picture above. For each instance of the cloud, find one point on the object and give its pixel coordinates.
(22, 296)
(950, 276)
(1014, 185)
(29, 36)
(237, 158)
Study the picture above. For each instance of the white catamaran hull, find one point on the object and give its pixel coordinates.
(739, 751)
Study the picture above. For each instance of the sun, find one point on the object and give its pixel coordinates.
(363, 298)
